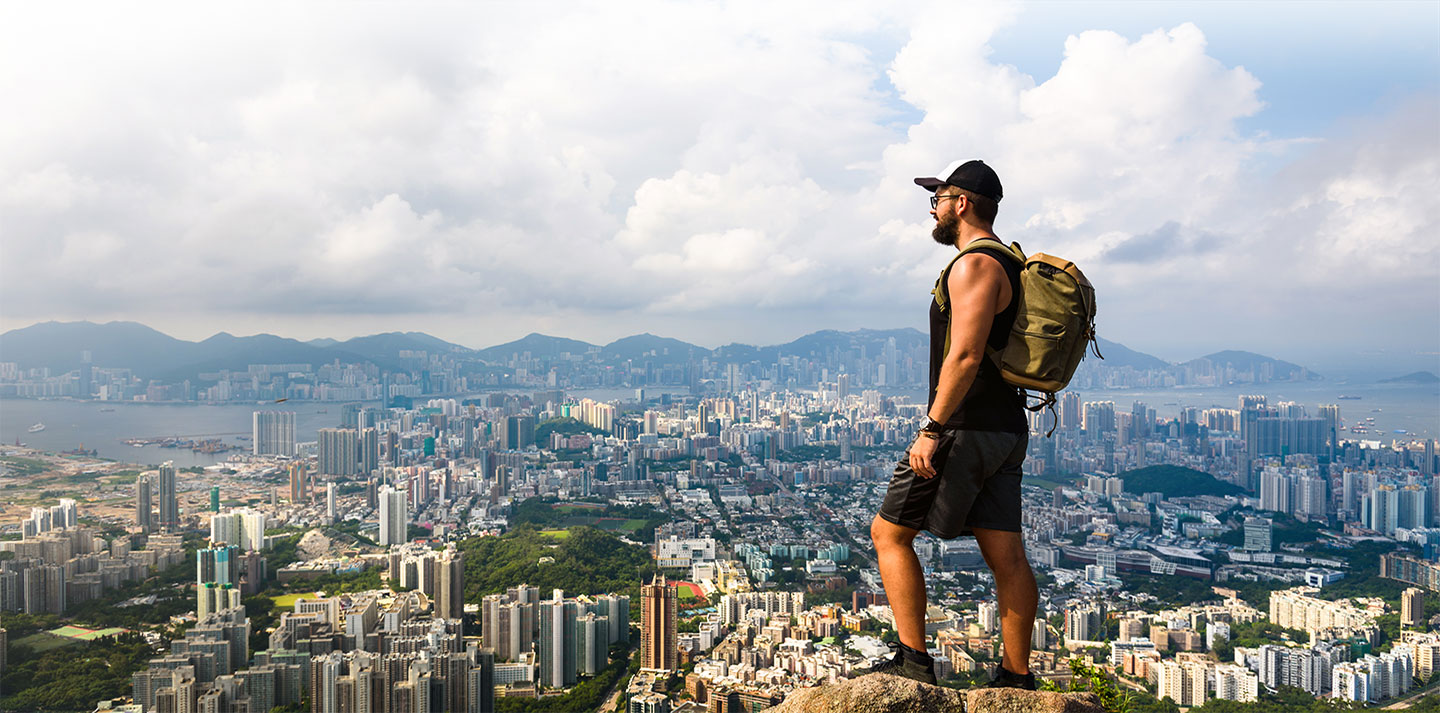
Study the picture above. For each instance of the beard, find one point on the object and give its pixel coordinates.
(947, 230)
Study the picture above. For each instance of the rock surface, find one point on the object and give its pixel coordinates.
(1012, 700)
(893, 694)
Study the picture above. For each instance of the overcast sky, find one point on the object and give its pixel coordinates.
(1230, 176)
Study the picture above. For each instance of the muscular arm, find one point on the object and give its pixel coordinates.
(978, 289)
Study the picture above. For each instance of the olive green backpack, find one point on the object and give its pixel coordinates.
(1054, 324)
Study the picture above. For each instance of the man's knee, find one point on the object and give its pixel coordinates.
(887, 534)
(1004, 552)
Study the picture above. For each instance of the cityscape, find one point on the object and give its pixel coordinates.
(597, 357)
(467, 534)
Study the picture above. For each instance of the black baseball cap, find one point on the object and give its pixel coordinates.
(973, 176)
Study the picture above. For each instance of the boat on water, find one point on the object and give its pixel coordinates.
(107, 410)
(37, 428)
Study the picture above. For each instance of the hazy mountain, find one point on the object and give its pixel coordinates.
(1417, 377)
(151, 354)
(390, 344)
(58, 345)
(1118, 355)
(873, 340)
(648, 346)
(1250, 361)
(535, 343)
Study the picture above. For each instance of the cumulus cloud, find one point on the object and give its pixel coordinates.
(736, 170)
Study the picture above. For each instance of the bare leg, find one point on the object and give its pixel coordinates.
(1015, 592)
(904, 580)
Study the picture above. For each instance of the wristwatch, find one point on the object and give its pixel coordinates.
(930, 425)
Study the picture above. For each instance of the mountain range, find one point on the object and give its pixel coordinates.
(153, 354)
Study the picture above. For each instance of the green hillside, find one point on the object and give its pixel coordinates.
(588, 561)
(1175, 481)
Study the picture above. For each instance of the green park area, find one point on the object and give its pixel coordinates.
(584, 561)
(42, 641)
(557, 534)
(637, 522)
(287, 601)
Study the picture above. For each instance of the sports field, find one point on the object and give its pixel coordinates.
(287, 601)
(557, 534)
(685, 591)
(80, 633)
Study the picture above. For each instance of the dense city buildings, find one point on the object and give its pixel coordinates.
(1212, 554)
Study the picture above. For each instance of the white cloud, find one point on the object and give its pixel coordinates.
(721, 167)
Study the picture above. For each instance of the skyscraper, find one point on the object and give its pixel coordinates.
(219, 564)
(339, 451)
(394, 518)
(169, 504)
(273, 433)
(1412, 607)
(659, 639)
(557, 642)
(450, 592)
(519, 432)
(244, 528)
(369, 451)
(299, 483)
(480, 692)
(144, 518)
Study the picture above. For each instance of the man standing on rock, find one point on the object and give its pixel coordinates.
(961, 475)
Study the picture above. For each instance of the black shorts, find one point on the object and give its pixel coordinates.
(977, 484)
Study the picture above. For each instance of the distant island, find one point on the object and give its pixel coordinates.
(1417, 377)
(1175, 481)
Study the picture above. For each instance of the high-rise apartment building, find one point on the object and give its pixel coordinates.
(659, 637)
(299, 482)
(1412, 607)
(144, 512)
(519, 432)
(169, 503)
(557, 642)
(394, 517)
(273, 433)
(1083, 621)
(244, 528)
(369, 451)
(1183, 683)
(338, 451)
(450, 589)
(1236, 683)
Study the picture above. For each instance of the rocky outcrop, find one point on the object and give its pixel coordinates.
(893, 694)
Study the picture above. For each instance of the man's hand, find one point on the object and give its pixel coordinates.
(922, 456)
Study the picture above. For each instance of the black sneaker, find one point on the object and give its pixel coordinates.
(1006, 679)
(900, 665)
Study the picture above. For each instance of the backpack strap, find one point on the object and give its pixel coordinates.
(942, 292)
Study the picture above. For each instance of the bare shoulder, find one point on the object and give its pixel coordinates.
(973, 270)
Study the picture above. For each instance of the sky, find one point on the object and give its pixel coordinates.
(1230, 176)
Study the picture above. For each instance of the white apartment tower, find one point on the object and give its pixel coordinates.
(272, 433)
(394, 517)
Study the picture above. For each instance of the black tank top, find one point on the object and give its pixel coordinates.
(990, 404)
